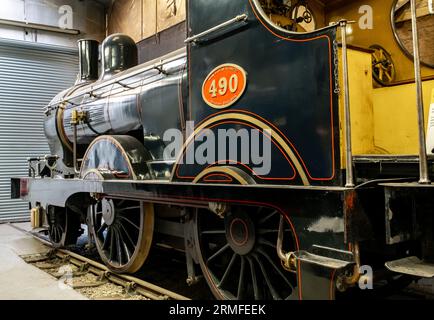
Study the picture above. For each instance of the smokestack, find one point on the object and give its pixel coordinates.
(88, 59)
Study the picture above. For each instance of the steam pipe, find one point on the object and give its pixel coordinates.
(76, 117)
(423, 163)
(287, 258)
(74, 150)
(280, 253)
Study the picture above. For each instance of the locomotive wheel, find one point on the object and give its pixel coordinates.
(123, 231)
(63, 226)
(238, 257)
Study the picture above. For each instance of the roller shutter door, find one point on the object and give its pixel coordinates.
(30, 76)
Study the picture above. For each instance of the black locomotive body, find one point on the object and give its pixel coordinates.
(295, 231)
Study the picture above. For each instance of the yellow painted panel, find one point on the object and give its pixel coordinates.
(361, 104)
(395, 117)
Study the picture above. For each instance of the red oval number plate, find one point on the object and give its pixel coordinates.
(224, 86)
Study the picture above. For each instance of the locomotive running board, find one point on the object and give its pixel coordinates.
(412, 266)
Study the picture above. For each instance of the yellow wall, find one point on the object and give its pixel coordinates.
(395, 117)
(381, 33)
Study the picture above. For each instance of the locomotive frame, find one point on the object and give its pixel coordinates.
(314, 221)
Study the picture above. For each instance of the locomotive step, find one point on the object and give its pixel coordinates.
(412, 266)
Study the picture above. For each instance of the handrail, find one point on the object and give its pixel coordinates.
(348, 143)
(130, 73)
(239, 18)
(423, 164)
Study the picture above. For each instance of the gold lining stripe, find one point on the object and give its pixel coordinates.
(61, 128)
(256, 122)
(226, 170)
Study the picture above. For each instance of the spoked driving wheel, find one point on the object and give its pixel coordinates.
(123, 231)
(238, 254)
(63, 226)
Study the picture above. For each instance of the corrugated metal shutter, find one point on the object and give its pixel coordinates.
(30, 76)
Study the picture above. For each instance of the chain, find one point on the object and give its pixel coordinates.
(336, 66)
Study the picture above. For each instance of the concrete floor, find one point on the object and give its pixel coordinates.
(19, 280)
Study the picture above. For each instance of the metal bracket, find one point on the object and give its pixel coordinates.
(219, 208)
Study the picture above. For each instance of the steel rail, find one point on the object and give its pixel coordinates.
(144, 288)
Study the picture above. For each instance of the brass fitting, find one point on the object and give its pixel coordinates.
(290, 262)
(78, 117)
(36, 217)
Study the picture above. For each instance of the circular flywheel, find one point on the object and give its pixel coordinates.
(123, 231)
(383, 68)
(238, 255)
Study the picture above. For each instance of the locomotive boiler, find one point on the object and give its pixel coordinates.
(115, 103)
(262, 150)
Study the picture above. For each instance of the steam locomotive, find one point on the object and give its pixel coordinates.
(242, 152)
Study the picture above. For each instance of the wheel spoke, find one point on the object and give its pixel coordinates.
(278, 270)
(102, 228)
(241, 279)
(254, 279)
(112, 244)
(214, 232)
(219, 252)
(107, 236)
(266, 242)
(264, 231)
(130, 222)
(123, 244)
(118, 247)
(273, 291)
(267, 217)
(228, 270)
(58, 234)
(128, 208)
(122, 228)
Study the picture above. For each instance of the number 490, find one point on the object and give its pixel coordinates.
(223, 85)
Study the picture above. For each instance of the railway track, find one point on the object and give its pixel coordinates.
(134, 288)
(89, 276)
